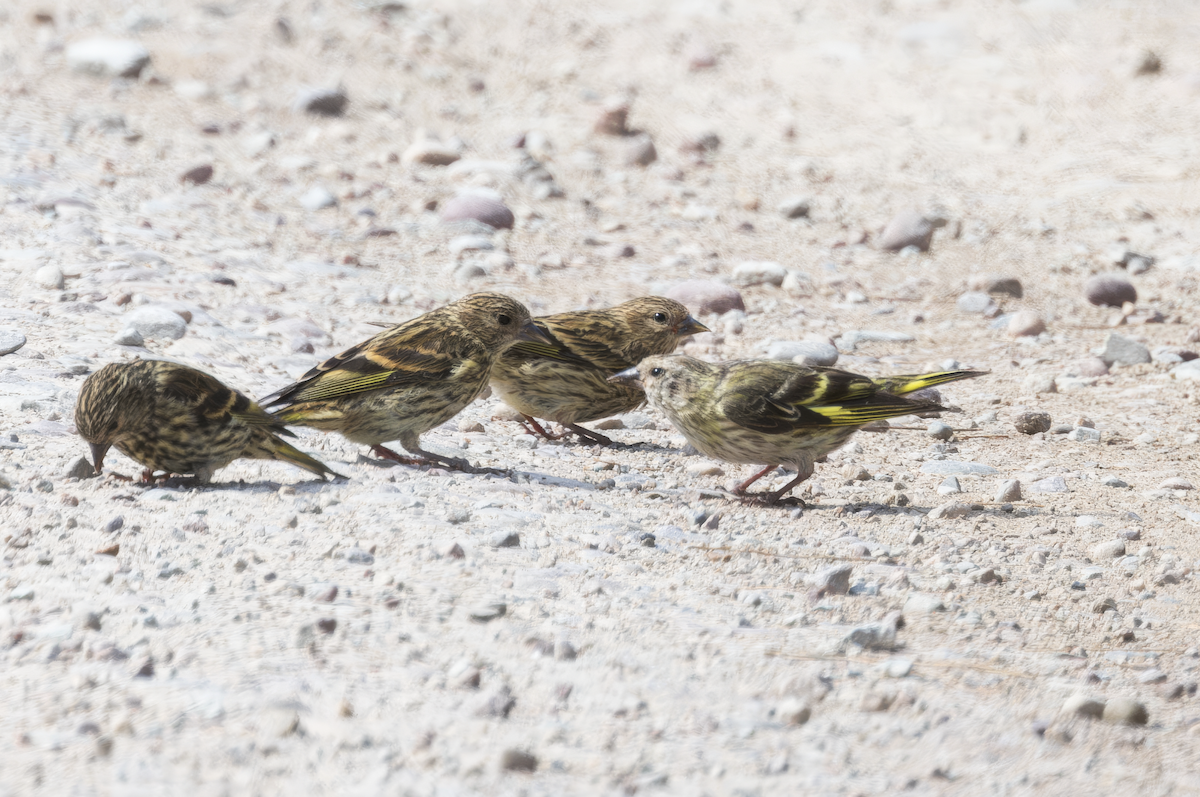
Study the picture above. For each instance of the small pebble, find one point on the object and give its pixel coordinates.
(907, 228)
(613, 118)
(513, 760)
(939, 430)
(108, 57)
(1107, 290)
(197, 175)
(950, 486)
(1125, 711)
(975, 302)
(796, 207)
(49, 277)
(1032, 422)
(640, 151)
(1009, 490)
(993, 283)
(321, 102)
(1083, 706)
(1025, 323)
(751, 273)
(317, 198)
(706, 296)
(478, 207)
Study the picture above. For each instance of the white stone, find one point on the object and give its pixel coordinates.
(108, 57)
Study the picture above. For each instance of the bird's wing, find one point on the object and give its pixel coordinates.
(209, 398)
(811, 399)
(576, 339)
(386, 361)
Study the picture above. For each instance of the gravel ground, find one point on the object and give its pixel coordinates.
(1003, 604)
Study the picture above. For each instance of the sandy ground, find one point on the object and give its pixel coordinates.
(425, 633)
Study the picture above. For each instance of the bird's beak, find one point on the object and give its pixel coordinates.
(690, 326)
(532, 333)
(629, 376)
(98, 452)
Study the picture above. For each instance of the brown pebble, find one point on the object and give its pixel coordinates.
(641, 152)
(1108, 290)
(1032, 422)
(198, 175)
(613, 118)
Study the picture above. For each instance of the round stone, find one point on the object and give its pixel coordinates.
(1025, 323)
(481, 208)
(10, 341)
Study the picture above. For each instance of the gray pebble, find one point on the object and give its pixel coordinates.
(129, 337)
(833, 580)
(80, 469)
(513, 760)
(156, 322)
(613, 118)
(939, 430)
(1124, 351)
(1032, 422)
(1082, 434)
(1107, 290)
(950, 486)
(796, 207)
(1009, 490)
(321, 102)
(975, 302)
(505, 539)
(10, 341)
(907, 228)
(317, 198)
(1113, 481)
(108, 57)
(565, 651)
(486, 612)
(1053, 484)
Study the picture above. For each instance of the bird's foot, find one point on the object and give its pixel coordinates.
(383, 452)
(537, 430)
(588, 436)
(434, 460)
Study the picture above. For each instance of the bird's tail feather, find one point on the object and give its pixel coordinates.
(910, 383)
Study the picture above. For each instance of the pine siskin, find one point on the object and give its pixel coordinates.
(566, 380)
(768, 411)
(408, 379)
(169, 417)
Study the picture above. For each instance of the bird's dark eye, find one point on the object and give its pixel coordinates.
(656, 372)
(504, 320)
(660, 318)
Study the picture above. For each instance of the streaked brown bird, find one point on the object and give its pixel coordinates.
(406, 380)
(566, 380)
(172, 418)
(780, 413)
